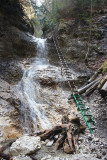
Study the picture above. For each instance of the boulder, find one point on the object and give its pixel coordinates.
(25, 145)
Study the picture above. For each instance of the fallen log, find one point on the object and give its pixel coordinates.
(103, 90)
(92, 88)
(83, 89)
(68, 134)
(102, 82)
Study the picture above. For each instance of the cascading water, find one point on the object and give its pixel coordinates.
(32, 109)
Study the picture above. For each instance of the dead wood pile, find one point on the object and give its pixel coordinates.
(68, 134)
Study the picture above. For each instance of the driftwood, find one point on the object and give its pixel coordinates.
(103, 90)
(68, 134)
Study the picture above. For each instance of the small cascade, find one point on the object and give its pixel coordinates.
(32, 110)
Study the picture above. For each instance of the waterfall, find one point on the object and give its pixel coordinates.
(32, 110)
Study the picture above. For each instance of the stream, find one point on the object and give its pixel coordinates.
(32, 111)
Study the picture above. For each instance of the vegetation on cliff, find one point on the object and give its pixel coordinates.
(55, 11)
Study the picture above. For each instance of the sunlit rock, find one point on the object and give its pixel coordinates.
(8, 129)
(25, 145)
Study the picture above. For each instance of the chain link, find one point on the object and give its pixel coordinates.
(64, 64)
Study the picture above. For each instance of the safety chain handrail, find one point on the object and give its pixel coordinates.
(63, 62)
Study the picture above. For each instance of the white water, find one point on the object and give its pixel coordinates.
(32, 109)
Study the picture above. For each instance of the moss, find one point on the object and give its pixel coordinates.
(96, 47)
(97, 35)
(104, 67)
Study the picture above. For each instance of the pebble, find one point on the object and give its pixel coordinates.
(47, 157)
(56, 136)
(104, 153)
(96, 139)
(43, 142)
(99, 156)
(50, 143)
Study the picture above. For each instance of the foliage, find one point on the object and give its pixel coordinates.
(104, 67)
(54, 10)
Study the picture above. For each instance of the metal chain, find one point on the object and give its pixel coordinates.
(63, 63)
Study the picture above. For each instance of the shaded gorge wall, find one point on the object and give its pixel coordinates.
(16, 40)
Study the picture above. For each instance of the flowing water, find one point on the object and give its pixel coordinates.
(32, 110)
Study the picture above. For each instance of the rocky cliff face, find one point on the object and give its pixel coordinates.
(74, 41)
(15, 44)
(15, 38)
(16, 50)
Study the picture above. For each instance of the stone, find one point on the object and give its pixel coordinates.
(25, 145)
(21, 157)
(99, 156)
(81, 139)
(96, 139)
(50, 143)
(47, 158)
(43, 142)
(104, 153)
(56, 136)
(47, 140)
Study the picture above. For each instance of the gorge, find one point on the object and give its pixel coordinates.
(34, 91)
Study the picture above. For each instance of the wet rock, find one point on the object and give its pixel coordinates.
(25, 145)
